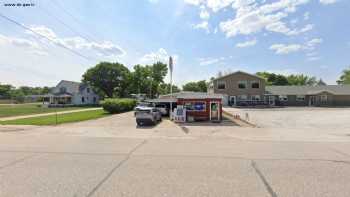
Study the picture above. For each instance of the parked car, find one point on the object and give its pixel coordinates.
(142, 105)
(147, 116)
(164, 110)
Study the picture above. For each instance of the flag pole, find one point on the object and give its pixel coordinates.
(171, 86)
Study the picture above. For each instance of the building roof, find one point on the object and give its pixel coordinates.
(72, 87)
(192, 95)
(308, 90)
(239, 72)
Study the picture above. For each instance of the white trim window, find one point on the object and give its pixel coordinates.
(255, 84)
(242, 97)
(300, 98)
(283, 98)
(242, 84)
(221, 85)
(256, 97)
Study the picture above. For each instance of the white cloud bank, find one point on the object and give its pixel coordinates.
(104, 48)
(253, 16)
(159, 56)
(283, 49)
(326, 2)
(247, 43)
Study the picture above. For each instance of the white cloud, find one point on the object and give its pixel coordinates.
(204, 14)
(283, 49)
(252, 16)
(159, 56)
(153, 1)
(327, 2)
(194, 2)
(314, 58)
(203, 25)
(210, 60)
(104, 48)
(286, 49)
(26, 44)
(247, 43)
(217, 5)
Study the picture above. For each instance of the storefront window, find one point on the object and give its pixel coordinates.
(195, 106)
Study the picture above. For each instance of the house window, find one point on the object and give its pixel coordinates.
(195, 106)
(242, 84)
(63, 89)
(221, 85)
(283, 98)
(82, 99)
(255, 84)
(88, 90)
(301, 98)
(242, 97)
(95, 99)
(256, 97)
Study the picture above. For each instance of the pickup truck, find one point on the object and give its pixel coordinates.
(147, 115)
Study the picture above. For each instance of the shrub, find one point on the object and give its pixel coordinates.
(114, 106)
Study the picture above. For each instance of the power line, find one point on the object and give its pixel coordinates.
(64, 24)
(58, 5)
(58, 44)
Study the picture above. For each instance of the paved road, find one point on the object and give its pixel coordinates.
(167, 160)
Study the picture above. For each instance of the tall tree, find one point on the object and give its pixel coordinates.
(5, 90)
(164, 88)
(158, 72)
(199, 86)
(110, 79)
(345, 77)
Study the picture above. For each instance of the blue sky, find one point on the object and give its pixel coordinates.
(204, 36)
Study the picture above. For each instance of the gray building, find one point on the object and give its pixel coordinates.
(240, 88)
(327, 95)
(71, 93)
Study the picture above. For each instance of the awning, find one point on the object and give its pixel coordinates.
(162, 100)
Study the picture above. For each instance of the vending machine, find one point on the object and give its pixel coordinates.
(180, 114)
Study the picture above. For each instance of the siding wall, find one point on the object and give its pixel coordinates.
(232, 85)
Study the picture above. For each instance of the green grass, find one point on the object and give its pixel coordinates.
(28, 109)
(61, 118)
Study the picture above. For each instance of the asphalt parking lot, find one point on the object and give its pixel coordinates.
(298, 117)
(112, 157)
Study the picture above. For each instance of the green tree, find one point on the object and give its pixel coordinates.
(147, 79)
(199, 86)
(164, 88)
(273, 79)
(345, 77)
(158, 73)
(17, 95)
(141, 79)
(110, 79)
(5, 90)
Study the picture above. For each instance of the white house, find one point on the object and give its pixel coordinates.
(71, 93)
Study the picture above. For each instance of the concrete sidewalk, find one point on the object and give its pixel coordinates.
(47, 114)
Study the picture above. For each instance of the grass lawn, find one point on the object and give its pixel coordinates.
(61, 118)
(27, 109)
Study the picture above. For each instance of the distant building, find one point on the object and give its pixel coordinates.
(71, 93)
(244, 89)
